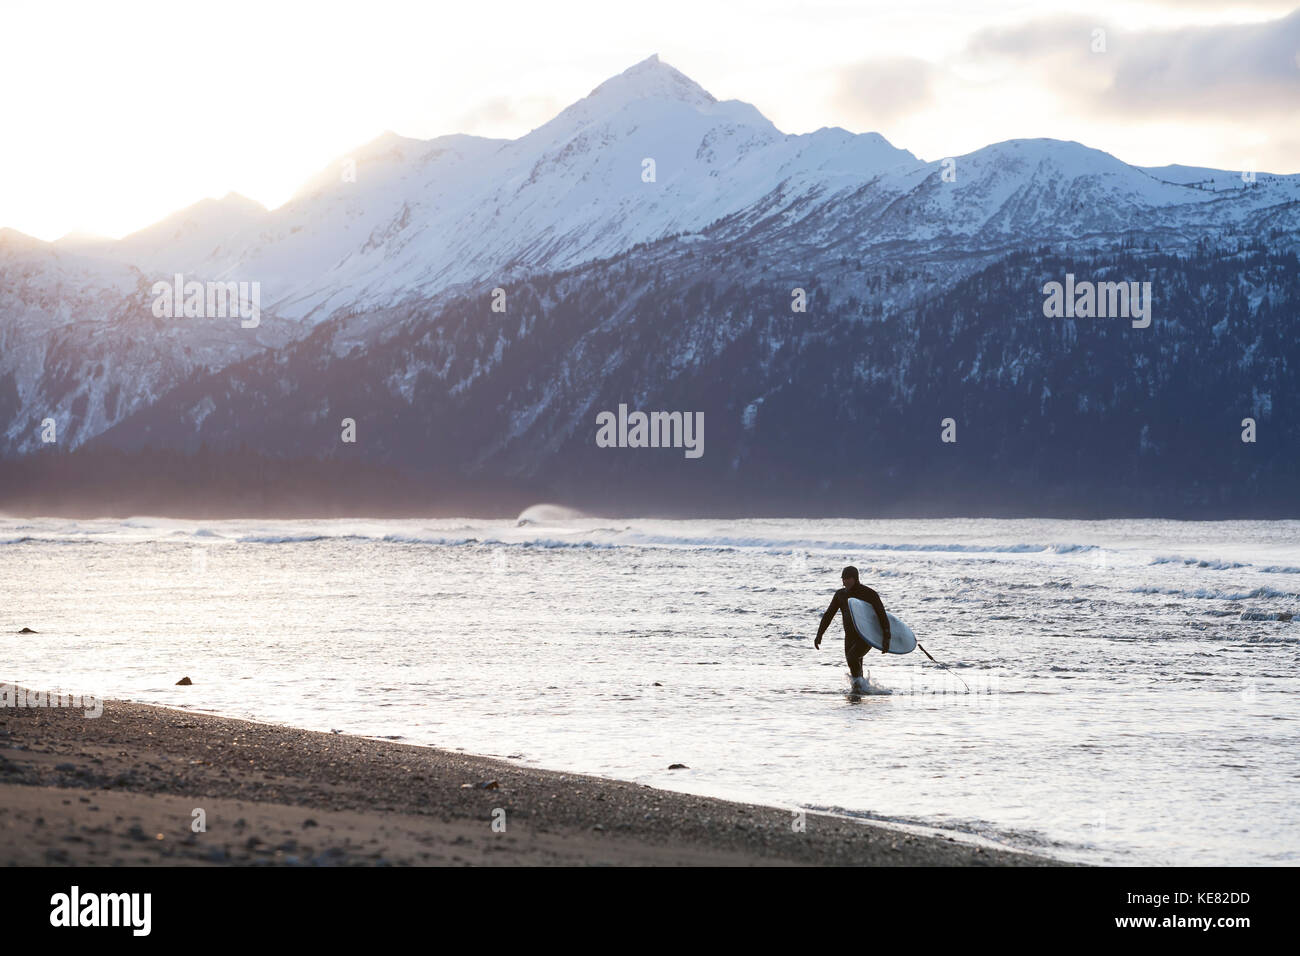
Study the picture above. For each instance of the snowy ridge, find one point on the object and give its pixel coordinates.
(421, 218)
(423, 215)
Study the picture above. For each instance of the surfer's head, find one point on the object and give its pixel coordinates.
(849, 576)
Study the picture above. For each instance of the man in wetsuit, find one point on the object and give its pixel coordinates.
(855, 645)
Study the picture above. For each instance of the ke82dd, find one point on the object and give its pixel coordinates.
(1223, 897)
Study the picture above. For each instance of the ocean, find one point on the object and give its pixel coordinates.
(1129, 696)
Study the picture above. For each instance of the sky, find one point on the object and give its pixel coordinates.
(117, 114)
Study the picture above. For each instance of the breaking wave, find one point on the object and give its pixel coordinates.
(1216, 565)
(1214, 594)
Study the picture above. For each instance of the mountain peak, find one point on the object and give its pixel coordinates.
(234, 199)
(80, 237)
(232, 211)
(13, 239)
(652, 78)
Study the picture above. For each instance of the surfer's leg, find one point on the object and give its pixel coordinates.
(853, 654)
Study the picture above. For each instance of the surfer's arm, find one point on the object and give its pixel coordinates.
(826, 620)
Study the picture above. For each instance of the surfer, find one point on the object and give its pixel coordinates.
(855, 645)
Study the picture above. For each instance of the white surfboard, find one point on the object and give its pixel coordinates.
(901, 638)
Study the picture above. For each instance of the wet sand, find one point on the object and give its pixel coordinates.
(121, 789)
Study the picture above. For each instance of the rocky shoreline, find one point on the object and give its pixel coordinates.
(129, 787)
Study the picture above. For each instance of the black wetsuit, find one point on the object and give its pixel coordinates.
(855, 645)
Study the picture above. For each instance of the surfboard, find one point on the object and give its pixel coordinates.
(901, 638)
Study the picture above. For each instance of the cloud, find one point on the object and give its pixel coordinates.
(1056, 39)
(1221, 5)
(507, 115)
(1246, 68)
(1226, 71)
(879, 91)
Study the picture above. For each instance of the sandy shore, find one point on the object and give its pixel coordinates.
(122, 790)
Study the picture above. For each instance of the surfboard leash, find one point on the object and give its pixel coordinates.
(945, 667)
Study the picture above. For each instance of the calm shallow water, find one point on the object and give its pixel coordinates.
(1123, 701)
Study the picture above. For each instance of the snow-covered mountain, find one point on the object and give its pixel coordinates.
(79, 342)
(404, 219)
(836, 410)
(400, 228)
